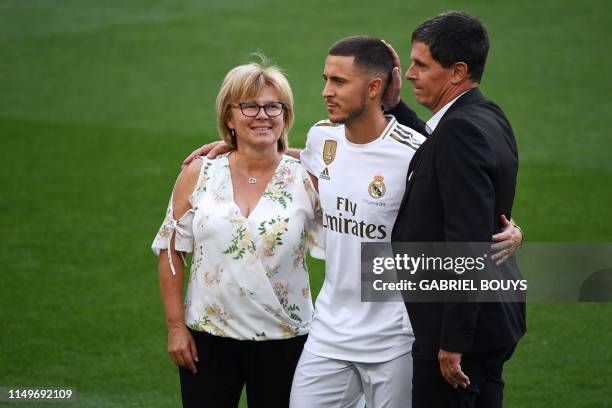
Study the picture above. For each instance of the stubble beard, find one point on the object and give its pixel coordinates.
(351, 115)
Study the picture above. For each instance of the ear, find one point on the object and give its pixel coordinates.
(460, 73)
(230, 123)
(375, 87)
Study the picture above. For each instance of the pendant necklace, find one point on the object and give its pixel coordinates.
(253, 180)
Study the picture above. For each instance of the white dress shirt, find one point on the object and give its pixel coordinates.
(432, 123)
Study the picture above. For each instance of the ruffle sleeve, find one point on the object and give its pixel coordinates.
(181, 230)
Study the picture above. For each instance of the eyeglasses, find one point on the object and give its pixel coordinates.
(251, 109)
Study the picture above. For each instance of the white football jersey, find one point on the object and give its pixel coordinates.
(361, 187)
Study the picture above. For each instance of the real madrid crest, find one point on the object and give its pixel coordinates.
(329, 151)
(377, 187)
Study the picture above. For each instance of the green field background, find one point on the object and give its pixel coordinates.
(101, 101)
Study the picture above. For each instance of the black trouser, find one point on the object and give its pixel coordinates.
(225, 365)
(486, 390)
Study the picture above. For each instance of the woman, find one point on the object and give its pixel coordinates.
(248, 217)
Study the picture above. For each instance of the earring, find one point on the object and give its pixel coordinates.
(233, 133)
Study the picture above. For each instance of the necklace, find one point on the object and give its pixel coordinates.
(253, 180)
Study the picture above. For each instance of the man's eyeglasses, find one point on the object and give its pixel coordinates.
(251, 109)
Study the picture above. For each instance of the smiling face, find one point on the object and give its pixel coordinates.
(345, 89)
(432, 82)
(261, 131)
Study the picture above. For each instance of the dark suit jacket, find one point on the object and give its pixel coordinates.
(460, 181)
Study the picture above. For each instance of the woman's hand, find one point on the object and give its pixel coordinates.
(506, 241)
(182, 348)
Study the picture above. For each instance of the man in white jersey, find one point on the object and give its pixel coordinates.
(360, 159)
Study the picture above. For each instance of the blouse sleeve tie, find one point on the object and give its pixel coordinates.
(182, 230)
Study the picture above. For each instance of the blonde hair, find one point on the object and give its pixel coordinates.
(247, 81)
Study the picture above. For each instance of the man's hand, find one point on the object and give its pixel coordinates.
(505, 242)
(392, 94)
(293, 152)
(450, 366)
(210, 150)
(181, 347)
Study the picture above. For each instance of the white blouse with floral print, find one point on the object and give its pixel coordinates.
(248, 277)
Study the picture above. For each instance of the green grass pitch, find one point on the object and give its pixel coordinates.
(100, 101)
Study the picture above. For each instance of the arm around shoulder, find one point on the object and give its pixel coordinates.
(407, 117)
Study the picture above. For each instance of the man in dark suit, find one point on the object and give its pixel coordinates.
(460, 183)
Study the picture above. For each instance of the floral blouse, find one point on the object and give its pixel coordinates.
(248, 278)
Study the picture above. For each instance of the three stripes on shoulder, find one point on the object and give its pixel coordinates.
(404, 137)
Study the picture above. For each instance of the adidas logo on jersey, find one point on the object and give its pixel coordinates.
(325, 174)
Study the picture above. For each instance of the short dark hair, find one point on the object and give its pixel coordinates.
(370, 54)
(456, 36)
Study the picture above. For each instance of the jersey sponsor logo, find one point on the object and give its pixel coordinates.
(329, 151)
(345, 221)
(325, 174)
(377, 187)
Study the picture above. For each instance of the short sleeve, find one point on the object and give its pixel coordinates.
(181, 229)
(311, 156)
(314, 226)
